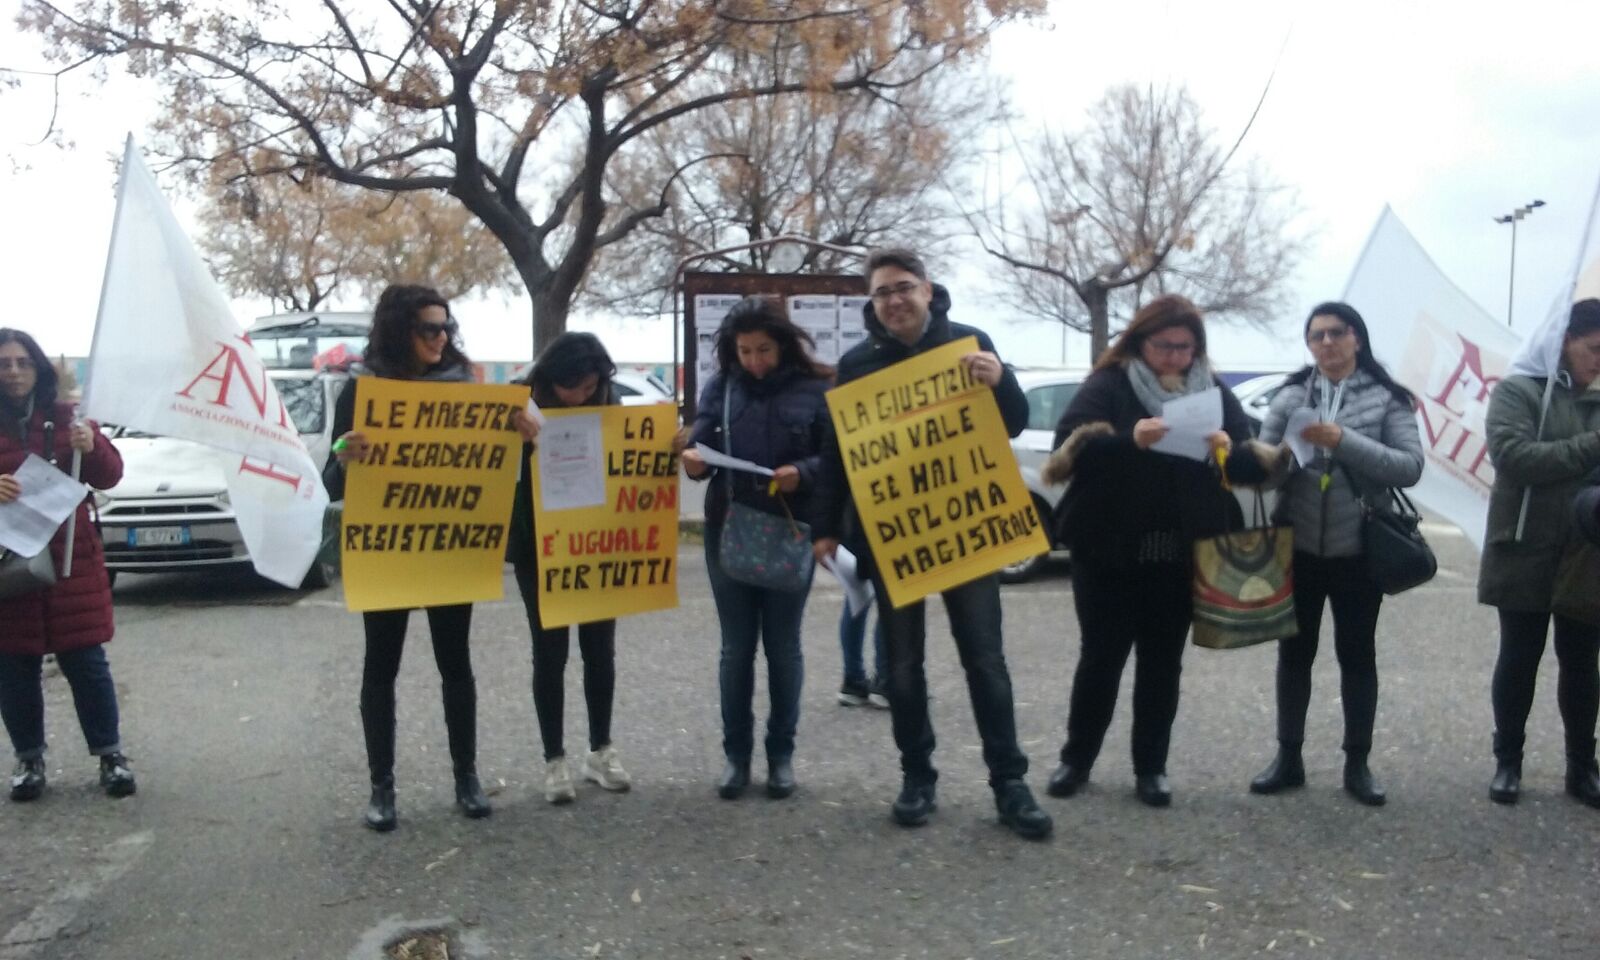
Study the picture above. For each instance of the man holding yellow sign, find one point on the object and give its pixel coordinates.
(923, 413)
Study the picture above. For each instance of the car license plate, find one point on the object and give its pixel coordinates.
(158, 536)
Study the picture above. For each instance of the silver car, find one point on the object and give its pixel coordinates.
(1048, 392)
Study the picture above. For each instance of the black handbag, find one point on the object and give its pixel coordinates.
(759, 548)
(1396, 555)
(21, 575)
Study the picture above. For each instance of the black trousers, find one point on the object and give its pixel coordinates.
(974, 612)
(1522, 638)
(386, 637)
(597, 643)
(1145, 609)
(1341, 583)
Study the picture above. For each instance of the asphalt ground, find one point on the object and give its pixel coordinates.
(239, 711)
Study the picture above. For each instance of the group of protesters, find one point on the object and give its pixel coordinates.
(1131, 516)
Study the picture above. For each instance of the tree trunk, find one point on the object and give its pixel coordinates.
(549, 315)
(1095, 299)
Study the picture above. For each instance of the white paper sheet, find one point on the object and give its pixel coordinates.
(48, 499)
(716, 458)
(858, 593)
(1304, 450)
(1189, 421)
(571, 469)
(532, 409)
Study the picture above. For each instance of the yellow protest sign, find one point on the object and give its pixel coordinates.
(425, 516)
(605, 513)
(932, 474)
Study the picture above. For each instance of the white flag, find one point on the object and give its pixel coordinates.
(1448, 352)
(169, 359)
(1540, 355)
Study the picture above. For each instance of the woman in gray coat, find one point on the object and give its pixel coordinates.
(1366, 441)
(1544, 439)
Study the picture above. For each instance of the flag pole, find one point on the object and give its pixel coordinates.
(88, 380)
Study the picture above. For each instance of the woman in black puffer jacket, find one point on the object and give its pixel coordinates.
(773, 391)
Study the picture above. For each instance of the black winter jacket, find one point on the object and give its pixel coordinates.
(1121, 499)
(777, 420)
(519, 534)
(836, 516)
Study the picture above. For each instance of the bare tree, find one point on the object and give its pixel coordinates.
(301, 241)
(852, 170)
(1143, 198)
(516, 108)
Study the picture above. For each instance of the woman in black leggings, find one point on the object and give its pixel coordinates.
(413, 338)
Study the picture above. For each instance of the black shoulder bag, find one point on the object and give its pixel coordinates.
(1396, 556)
(18, 574)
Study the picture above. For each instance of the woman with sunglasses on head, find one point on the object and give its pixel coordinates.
(1366, 442)
(1131, 516)
(413, 338)
(72, 618)
(770, 391)
(573, 371)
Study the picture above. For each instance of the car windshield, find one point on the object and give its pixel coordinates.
(1046, 404)
(310, 346)
(304, 401)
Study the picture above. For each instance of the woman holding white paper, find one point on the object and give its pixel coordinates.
(770, 390)
(413, 338)
(1355, 434)
(1131, 516)
(573, 371)
(73, 618)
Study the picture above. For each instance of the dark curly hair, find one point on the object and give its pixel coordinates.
(44, 388)
(768, 315)
(389, 350)
(565, 362)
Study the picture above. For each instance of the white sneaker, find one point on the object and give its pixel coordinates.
(602, 767)
(558, 782)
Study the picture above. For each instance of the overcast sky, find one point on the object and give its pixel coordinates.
(1451, 113)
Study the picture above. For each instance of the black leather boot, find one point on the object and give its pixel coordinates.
(735, 778)
(381, 815)
(1020, 812)
(915, 802)
(470, 797)
(1583, 781)
(1359, 782)
(1506, 786)
(1067, 780)
(1287, 770)
(780, 778)
(1153, 789)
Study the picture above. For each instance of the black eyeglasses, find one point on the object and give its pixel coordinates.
(901, 289)
(1330, 335)
(428, 331)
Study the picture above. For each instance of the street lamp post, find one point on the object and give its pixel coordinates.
(1512, 218)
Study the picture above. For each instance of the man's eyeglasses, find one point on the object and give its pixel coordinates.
(1172, 346)
(428, 331)
(16, 363)
(901, 289)
(1330, 335)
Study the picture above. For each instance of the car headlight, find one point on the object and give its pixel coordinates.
(224, 499)
(101, 499)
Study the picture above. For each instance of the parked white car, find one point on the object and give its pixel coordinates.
(1048, 392)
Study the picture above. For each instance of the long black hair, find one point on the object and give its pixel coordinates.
(568, 359)
(1348, 316)
(769, 316)
(390, 352)
(47, 382)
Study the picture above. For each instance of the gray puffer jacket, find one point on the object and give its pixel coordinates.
(1380, 446)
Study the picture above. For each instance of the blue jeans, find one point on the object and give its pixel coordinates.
(974, 612)
(748, 614)
(22, 700)
(852, 638)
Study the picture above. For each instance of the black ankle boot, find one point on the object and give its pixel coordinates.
(1583, 781)
(735, 778)
(1067, 780)
(1287, 770)
(1019, 811)
(381, 815)
(1359, 782)
(917, 799)
(780, 778)
(1506, 786)
(1153, 789)
(470, 798)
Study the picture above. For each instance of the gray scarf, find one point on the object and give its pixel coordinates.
(1148, 387)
